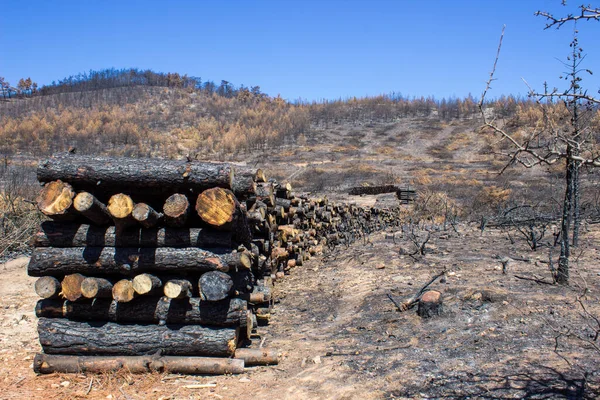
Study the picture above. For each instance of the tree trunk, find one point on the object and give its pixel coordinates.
(71, 286)
(178, 289)
(562, 272)
(257, 356)
(137, 175)
(576, 209)
(220, 209)
(145, 215)
(131, 261)
(120, 207)
(48, 364)
(55, 200)
(96, 287)
(47, 287)
(91, 208)
(122, 291)
(149, 310)
(215, 286)
(62, 336)
(53, 234)
(244, 186)
(145, 284)
(176, 210)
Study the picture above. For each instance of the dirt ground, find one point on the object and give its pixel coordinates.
(342, 338)
(339, 333)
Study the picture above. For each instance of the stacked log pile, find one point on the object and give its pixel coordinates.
(156, 265)
(144, 264)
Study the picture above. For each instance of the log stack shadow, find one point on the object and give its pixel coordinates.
(162, 265)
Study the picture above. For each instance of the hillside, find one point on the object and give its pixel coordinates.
(340, 335)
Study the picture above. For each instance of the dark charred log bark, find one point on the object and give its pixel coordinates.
(150, 176)
(62, 336)
(130, 261)
(53, 234)
(145, 215)
(91, 208)
(215, 286)
(176, 210)
(149, 310)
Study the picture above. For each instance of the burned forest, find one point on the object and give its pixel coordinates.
(163, 236)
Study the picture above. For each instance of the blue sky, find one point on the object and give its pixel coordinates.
(307, 49)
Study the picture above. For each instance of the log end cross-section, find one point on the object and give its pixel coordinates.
(216, 207)
(55, 199)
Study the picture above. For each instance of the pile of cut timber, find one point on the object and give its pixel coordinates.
(155, 265)
(145, 265)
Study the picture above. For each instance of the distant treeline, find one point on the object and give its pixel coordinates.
(115, 78)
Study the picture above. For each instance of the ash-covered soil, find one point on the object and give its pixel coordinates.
(342, 338)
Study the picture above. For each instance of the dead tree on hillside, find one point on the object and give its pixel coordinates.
(563, 133)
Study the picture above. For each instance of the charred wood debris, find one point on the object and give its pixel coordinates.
(163, 265)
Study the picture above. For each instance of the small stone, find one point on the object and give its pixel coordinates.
(317, 360)
(380, 266)
(65, 383)
(244, 380)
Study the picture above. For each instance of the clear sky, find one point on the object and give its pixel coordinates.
(310, 49)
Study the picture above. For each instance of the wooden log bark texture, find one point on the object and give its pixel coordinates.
(135, 174)
(130, 261)
(62, 336)
(149, 310)
(54, 234)
(48, 364)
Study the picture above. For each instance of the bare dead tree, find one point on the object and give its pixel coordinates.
(550, 142)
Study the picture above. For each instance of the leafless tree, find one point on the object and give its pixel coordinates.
(575, 144)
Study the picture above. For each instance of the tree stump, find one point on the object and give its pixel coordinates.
(430, 304)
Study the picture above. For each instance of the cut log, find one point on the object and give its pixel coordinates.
(244, 186)
(178, 289)
(176, 210)
(54, 234)
(144, 284)
(145, 215)
(55, 200)
(122, 291)
(149, 310)
(265, 193)
(71, 286)
(91, 208)
(120, 207)
(260, 176)
(129, 261)
(215, 286)
(62, 336)
(47, 287)
(220, 209)
(48, 364)
(253, 357)
(142, 176)
(430, 304)
(96, 287)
